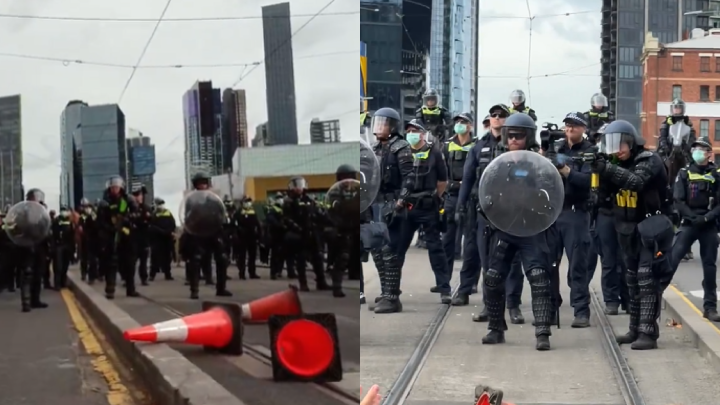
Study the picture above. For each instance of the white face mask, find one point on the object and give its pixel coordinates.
(161, 207)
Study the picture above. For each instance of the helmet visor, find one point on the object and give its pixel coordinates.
(115, 182)
(517, 97)
(36, 195)
(599, 100)
(383, 125)
(611, 143)
(298, 182)
(677, 109)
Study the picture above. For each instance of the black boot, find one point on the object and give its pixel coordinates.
(612, 308)
(627, 338)
(644, 342)
(542, 343)
(223, 293)
(481, 316)
(338, 293)
(460, 300)
(388, 306)
(494, 337)
(712, 315)
(516, 316)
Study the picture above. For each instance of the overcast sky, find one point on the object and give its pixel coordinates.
(326, 70)
(559, 44)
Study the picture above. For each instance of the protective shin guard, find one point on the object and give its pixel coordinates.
(393, 274)
(542, 300)
(26, 288)
(649, 308)
(495, 287)
(380, 266)
(633, 293)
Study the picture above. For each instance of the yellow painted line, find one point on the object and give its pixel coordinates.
(694, 308)
(118, 393)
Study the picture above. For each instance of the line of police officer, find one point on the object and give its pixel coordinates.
(624, 220)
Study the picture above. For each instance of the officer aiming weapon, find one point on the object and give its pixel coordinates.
(549, 135)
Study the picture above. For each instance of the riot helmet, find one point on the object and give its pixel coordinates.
(64, 211)
(519, 129)
(345, 171)
(598, 101)
(385, 122)
(430, 98)
(297, 185)
(115, 185)
(517, 97)
(620, 138)
(84, 202)
(677, 108)
(201, 181)
(35, 194)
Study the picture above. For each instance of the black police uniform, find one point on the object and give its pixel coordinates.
(162, 227)
(396, 165)
(455, 153)
(345, 224)
(596, 118)
(641, 203)
(118, 248)
(475, 247)
(697, 197)
(63, 245)
(421, 207)
(521, 108)
(533, 252)
(247, 226)
(573, 224)
(89, 246)
(436, 119)
(665, 145)
(141, 235)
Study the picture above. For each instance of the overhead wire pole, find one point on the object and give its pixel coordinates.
(530, 42)
(277, 48)
(145, 48)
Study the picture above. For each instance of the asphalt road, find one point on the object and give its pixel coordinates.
(51, 356)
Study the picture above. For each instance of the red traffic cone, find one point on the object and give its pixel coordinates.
(281, 303)
(485, 395)
(218, 327)
(305, 348)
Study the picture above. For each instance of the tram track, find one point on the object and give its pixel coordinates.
(403, 385)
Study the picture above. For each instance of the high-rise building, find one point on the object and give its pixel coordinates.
(279, 75)
(11, 164)
(103, 152)
(202, 114)
(324, 131)
(261, 135)
(234, 128)
(71, 184)
(625, 24)
(142, 166)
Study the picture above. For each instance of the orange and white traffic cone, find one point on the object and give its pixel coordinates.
(485, 395)
(218, 327)
(281, 303)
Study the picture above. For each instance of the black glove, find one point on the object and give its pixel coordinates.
(460, 214)
(699, 220)
(598, 165)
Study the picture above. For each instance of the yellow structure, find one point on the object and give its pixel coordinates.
(258, 188)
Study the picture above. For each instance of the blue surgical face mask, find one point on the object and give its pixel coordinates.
(460, 128)
(413, 138)
(698, 156)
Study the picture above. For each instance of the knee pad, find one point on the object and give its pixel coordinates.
(387, 252)
(538, 277)
(493, 279)
(500, 251)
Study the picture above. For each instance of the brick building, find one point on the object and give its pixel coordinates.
(689, 70)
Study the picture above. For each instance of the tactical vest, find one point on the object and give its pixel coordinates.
(432, 116)
(484, 156)
(421, 169)
(700, 190)
(457, 155)
(524, 111)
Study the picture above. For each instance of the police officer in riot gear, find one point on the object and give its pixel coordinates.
(456, 151)
(573, 224)
(89, 246)
(517, 99)
(141, 232)
(63, 245)
(197, 249)
(677, 114)
(420, 204)
(435, 118)
(697, 197)
(162, 226)
(396, 163)
(115, 225)
(638, 180)
(475, 247)
(518, 133)
(598, 115)
(246, 224)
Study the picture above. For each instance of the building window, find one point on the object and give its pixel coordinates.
(704, 63)
(717, 64)
(717, 93)
(677, 91)
(677, 63)
(704, 93)
(704, 128)
(717, 133)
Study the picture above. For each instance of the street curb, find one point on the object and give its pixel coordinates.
(170, 377)
(705, 336)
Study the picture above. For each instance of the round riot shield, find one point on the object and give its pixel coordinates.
(343, 202)
(202, 213)
(369, 175)
(27, 223)
(521, 193)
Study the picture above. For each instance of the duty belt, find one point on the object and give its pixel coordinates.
(580, 206)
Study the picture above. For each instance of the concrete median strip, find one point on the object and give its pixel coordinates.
(705, 335)
(170, 377)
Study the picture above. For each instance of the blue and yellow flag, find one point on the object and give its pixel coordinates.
(363, 74)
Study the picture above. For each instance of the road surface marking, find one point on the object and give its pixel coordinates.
(118, 393)
(694, 308)
(700, 293)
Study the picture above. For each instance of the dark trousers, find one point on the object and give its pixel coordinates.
(429, 219)
(707, 236)
(573, 227)
(246, 255)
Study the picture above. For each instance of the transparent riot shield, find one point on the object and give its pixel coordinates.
(343, 202)
(27, 223)
(679, 133)
(369, 176)
(202, 213)
(521, 193)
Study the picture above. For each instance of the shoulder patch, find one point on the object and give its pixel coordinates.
(644, 155)
(398, 144)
